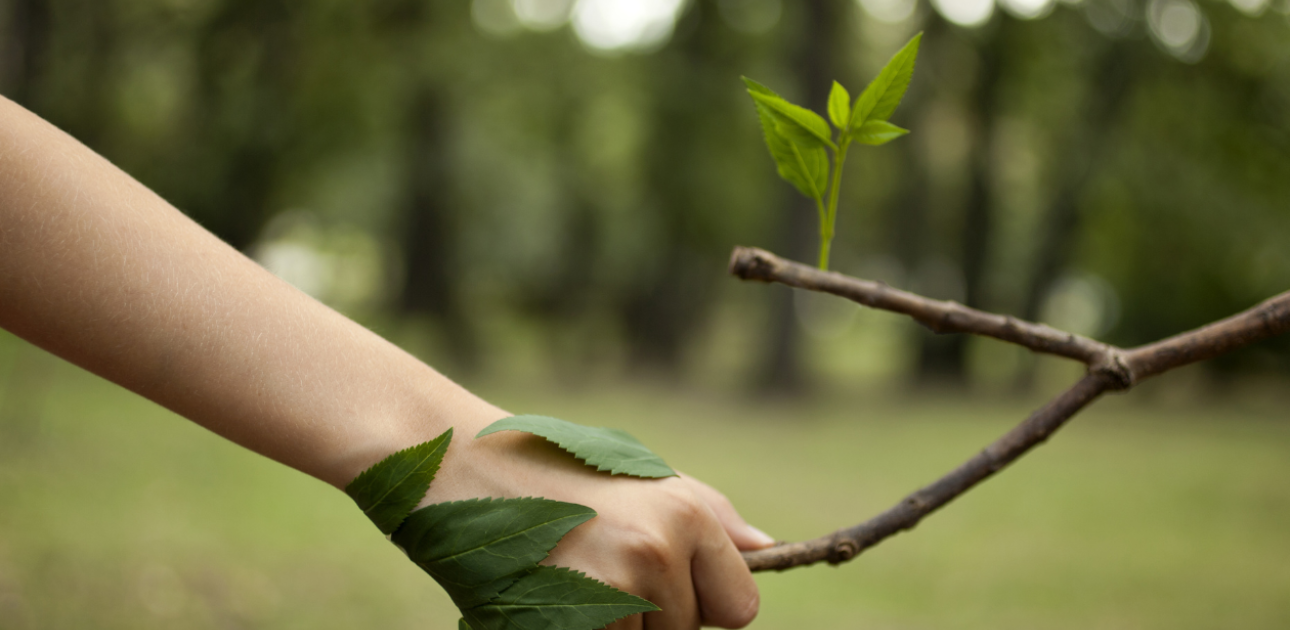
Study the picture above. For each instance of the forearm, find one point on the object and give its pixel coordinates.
(97, 269)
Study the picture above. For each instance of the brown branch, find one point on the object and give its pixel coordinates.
(1268, 319)
(1110, 368)
(750, 263)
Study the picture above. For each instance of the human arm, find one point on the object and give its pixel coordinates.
(96, 268)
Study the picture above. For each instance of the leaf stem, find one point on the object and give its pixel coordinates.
(829, 216)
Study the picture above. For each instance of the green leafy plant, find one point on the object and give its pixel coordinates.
(800, 141)
(485, 552)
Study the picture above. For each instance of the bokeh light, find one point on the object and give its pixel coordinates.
(967, 13)
(889, 11)
(543, 15)
(622, 25)
(495, 17)
(1028, 9)
(1180, 28)
(1252, 8)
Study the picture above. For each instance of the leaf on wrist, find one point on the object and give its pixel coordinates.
(477, 548)
(551, 597)
(388, 491)
(610, 450)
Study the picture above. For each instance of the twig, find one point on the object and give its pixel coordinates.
(1109, 368)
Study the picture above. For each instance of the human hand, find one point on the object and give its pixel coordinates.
(674, 541)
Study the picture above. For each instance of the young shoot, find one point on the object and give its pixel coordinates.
(800, 141)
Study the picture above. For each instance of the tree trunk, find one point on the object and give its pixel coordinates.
(430, 260)
(22, 55)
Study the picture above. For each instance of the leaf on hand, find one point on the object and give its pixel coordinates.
(477, 548)
(799, 157)
(389, 490)
(839, 106)
(879, 100)
(878, 132)
(613, 450)
(551, 597)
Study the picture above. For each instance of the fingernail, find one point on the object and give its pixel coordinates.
(762, 538)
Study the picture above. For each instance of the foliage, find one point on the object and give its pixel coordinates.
(799, 140)
(388, 491)
(477, 548)
(485, 552)
(608, 449)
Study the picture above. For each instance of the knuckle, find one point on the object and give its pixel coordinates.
(687, 508)
(739, 615)
(651, 550)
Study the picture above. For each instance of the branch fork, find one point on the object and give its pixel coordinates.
(1110, 368)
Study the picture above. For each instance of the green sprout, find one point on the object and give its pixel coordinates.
(800, 140)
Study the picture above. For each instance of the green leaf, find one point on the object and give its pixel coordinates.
(803, 164)
(462, 625)
(878, 132)
(550, 597)
(754, 86)
(839, 106)
(879, 100)
(606, 449)
(797, 122)
(477, 548)
(389, 490)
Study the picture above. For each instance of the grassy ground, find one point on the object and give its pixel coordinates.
(116, 514)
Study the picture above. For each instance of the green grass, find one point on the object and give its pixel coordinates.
(116, 514)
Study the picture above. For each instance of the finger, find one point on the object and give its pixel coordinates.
(634, 622)
(728, 596)
(745, 536)
(676, 598)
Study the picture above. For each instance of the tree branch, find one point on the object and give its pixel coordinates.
(750, 263)
(1110, 368)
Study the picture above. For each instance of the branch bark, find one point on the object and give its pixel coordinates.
(1109, 368)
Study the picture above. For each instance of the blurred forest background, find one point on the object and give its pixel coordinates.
(539, 196)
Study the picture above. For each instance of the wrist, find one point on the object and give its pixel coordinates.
(413, 415)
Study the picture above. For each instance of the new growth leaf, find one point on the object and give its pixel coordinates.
(800, 140)
(801, 160)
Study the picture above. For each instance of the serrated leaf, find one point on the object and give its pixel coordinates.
(804, 165)
(880, 98)
(878, 132)
(477, 548)
(797, 122)
(839, 106)
(754, 86)
(613, 450)
(551, 597)
(389, 490)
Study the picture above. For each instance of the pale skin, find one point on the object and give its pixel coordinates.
(99, 270)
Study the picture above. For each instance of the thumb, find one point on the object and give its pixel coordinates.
(745, 536)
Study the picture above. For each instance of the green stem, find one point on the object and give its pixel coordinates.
(829, 217)
(826, 233)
